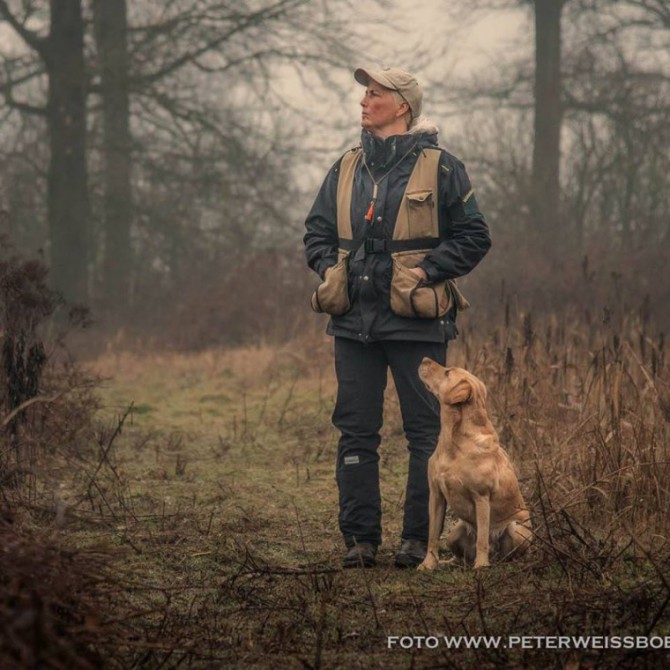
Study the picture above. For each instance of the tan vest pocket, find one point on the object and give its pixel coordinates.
(332, 295)
(420, 213)
(411, 297)
(462, 303)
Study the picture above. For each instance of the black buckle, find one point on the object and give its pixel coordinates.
(375, 245)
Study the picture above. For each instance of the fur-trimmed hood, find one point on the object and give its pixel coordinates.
(423, 125)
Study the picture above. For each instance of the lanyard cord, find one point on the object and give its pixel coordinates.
(371, 210)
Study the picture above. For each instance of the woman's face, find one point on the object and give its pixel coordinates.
(380, 111)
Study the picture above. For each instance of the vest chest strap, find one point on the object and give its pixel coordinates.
(375, 245)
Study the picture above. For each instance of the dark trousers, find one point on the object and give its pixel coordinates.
(361, 376)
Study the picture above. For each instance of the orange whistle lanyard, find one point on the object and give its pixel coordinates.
(369, 217)
(371, 210)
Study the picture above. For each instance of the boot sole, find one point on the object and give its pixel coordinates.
(405, 561)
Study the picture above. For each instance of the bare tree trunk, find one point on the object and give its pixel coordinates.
(545, 205)
(111, 28)
(68, 203)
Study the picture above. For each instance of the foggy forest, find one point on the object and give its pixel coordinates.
(167, 457)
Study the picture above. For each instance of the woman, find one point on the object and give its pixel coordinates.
(394, 223)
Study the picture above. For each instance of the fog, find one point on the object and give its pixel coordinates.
(213, 137)
(167, 387)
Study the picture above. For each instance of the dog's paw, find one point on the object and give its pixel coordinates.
(482, 564)
(429, 563)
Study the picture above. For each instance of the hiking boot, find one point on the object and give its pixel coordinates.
(361, 555)
(410, 554)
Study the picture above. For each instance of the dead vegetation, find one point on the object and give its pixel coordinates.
(192, 520)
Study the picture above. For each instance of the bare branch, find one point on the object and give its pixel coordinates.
(660, 9)
(32, 39)
(242, 23)
(8, 84)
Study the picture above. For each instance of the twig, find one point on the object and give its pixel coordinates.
(32, 401)
(110, 442)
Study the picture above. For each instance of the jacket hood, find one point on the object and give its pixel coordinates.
(422, 125)
(382, 153)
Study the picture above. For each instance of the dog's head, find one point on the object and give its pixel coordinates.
(452, 386)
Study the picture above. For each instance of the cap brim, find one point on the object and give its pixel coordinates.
(362, 76)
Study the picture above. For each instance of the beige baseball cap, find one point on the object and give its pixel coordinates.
(397, 80)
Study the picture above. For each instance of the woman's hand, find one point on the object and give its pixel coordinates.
(419, 272)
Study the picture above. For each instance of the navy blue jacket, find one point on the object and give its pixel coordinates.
(463, 231)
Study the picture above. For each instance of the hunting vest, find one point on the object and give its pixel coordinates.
(415, 233)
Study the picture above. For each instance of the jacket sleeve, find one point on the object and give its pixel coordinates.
(464, 231)
(321, 239)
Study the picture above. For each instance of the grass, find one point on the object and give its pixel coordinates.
(215, 507)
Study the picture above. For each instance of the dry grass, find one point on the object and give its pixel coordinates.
(213, 498)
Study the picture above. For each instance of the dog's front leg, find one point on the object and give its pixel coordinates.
(483, 513)
(436, 519)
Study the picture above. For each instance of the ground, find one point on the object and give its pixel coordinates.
(212, 496)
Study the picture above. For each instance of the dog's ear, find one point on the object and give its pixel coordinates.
(461, 392)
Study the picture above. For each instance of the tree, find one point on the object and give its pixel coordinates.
(548, 112)
(617, 97)
(111, 28)
(61, 51)
(537, 86)
(163, 86)
(605, 102)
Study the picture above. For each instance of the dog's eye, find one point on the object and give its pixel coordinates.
(446, 373)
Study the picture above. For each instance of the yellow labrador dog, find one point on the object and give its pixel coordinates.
(471, 471)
